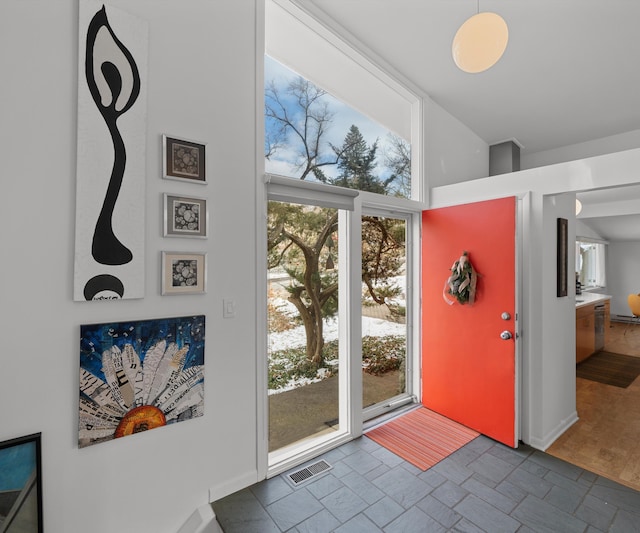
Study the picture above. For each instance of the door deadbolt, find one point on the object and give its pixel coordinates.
(505, 316)
(506, 335)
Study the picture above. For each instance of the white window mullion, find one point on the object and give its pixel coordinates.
(414, 298)
(350, 317)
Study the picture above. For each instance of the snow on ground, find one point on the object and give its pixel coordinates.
(373, 327)
(294, 383)
(296, 337)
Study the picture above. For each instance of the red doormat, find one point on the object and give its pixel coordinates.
(422, 437)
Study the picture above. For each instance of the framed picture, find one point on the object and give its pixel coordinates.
(183, 160)
(185, 216)
(111, 162)
(184, 273)
(21, 485)
(563, 249)
(162, 384)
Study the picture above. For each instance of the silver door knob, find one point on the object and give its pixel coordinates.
(506, 335)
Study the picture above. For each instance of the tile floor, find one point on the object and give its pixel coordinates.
(484, 486)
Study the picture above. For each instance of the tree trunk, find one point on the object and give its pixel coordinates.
(311, 316)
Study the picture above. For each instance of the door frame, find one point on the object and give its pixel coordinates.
(522, 225)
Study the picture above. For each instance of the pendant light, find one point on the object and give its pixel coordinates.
(578, 206)
(480, 42)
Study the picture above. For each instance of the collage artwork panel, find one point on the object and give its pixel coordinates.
(139, 375)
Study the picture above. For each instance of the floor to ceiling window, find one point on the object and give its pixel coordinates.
(341, 227)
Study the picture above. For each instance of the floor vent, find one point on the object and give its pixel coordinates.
(307, 473)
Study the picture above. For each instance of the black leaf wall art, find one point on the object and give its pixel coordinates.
(110, 209)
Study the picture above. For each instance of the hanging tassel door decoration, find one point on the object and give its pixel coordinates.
(461, 284)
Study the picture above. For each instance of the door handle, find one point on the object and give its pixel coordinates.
(506, 335)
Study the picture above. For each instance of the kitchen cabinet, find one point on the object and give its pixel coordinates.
(588, 335)
(585, 332)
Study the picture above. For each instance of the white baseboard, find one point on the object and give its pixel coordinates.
(543, 443)
(233, 485)
(203, 520)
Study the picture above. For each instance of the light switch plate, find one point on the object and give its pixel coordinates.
(228, 308)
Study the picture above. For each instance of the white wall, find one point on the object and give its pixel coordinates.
(201, 85)
(453, 153)
(556, 398)
(623, 278)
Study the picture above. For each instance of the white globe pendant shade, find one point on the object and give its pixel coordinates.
(480, 42)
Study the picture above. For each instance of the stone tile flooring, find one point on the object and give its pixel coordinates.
(484, 486)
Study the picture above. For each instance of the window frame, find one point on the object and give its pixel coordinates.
(289, 190)
(351, 221)
(600, 254)
(352, 204)
(313, 22)
(412, 313)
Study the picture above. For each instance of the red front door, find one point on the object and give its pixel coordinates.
(468, 369)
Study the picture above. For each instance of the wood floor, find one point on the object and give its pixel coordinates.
(605, 439)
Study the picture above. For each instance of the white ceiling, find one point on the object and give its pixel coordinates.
(570, 73)
(614, 213)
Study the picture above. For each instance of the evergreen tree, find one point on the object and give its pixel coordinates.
(357, 164)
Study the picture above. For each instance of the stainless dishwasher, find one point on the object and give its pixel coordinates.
(599, 326)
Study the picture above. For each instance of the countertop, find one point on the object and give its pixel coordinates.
(590, 298)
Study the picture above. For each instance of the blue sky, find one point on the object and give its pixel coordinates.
(344, 117)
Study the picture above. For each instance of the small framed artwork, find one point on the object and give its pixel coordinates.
(185, 216)
(21, 485)
(562, 258)
(184, 273)
(183, 160)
